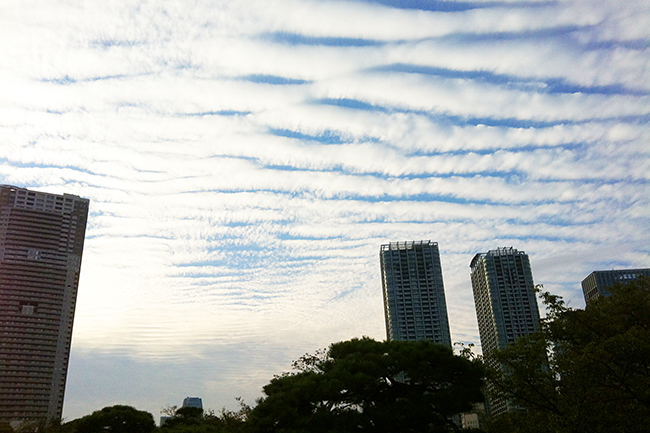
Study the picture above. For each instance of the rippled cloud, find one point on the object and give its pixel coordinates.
(245, 161)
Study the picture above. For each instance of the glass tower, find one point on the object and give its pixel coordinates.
(596, 284)
(41, 242)
(414, 295)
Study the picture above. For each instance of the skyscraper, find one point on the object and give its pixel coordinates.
(41, 243)
(414, 295)
(506, 307)
(596, 284)
(195, 402)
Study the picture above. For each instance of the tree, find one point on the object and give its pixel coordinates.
(116, 419)
(194, 420)
(597, 377)
(40, 425)
(363, 385)
(184, 416)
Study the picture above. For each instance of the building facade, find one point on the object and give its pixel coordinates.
(505, 301)
(41, 244)
(596, 284)
(195, 402)
(414, 296)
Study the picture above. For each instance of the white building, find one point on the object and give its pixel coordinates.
(414, 295)
(506, 304)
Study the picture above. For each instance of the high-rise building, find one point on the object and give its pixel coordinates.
(41, 243)
(596, 284)
(188, 402)
(414, 295)
(195, 402)
(506, 306)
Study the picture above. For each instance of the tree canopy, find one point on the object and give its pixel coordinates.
(184, 416)
(116, 419)
(195, 420)
(363, 385)
(596, 374)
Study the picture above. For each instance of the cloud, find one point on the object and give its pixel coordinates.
(245, 161)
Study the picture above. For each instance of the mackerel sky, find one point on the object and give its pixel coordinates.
(246, 159)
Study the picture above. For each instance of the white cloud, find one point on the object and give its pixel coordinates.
(230, 212)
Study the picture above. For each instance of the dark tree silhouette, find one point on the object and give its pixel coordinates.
(363, 385)
(116, 419)
(597, 377)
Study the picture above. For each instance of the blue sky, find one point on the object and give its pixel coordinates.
(246, 159)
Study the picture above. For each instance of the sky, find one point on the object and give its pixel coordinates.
(245, 160)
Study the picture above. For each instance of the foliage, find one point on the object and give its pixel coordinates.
(33, 426)
(184, 416)
(596, 367)
(38, 425)
(193, 420)
(116, 419)
(363, 385)
(169, 410)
